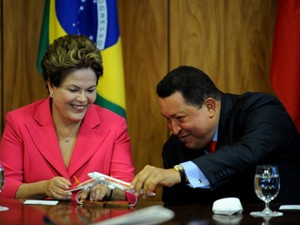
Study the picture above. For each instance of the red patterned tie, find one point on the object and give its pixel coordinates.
(212, 146)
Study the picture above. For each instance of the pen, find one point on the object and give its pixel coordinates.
(76, 180)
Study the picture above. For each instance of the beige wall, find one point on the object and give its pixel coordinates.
(229, 39)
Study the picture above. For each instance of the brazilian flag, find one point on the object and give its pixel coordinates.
(98, 20)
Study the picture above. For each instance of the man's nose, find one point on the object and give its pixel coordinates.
(174, 127)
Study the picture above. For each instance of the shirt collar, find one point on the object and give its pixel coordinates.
(215, 137)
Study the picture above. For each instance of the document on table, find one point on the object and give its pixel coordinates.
(40, 202)
(289, 207)
(146, 216)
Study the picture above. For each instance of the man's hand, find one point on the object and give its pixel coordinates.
(151, 177)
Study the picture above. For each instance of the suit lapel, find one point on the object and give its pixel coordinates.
(228, 103)
(91, 136)
(44, 137)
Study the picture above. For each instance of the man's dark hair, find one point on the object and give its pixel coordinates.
(194, 85)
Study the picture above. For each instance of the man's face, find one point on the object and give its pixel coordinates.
(193, 126)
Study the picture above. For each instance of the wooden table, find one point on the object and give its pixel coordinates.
(66, 213)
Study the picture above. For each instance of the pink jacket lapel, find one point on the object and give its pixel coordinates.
(44, 136)
(91, 136)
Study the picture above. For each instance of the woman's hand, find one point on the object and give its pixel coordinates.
(56, 188)
(97, 193)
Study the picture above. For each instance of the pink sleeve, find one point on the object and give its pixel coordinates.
(131, 198)
(11, 155)
(121, 164)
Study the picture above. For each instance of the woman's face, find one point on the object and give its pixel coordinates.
(74, 97)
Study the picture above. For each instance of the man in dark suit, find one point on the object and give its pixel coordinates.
(218, 140)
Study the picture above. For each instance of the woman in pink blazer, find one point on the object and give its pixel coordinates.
(49, 145)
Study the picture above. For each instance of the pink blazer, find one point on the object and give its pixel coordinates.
(30, 152)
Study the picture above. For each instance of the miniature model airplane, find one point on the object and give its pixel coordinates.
(100, 178)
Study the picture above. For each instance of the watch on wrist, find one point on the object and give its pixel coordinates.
(179, 168)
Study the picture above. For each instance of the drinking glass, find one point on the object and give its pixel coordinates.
(266, 185)
(2, 180)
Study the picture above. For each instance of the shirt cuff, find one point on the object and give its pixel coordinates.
(195, 176)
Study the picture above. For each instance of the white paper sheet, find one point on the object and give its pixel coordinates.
(289, 207)
(40, 202)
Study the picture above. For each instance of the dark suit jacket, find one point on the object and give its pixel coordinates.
(254, 128)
